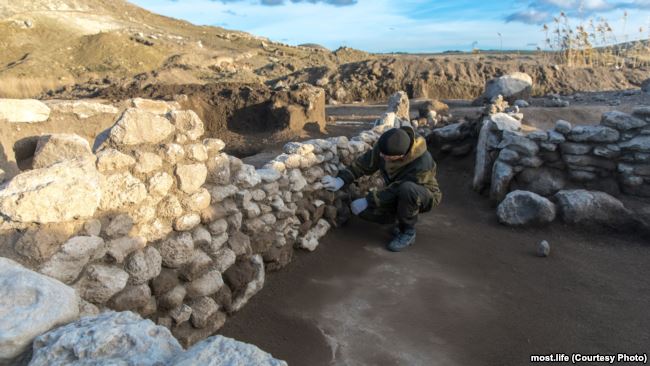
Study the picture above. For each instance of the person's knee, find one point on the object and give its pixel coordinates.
(408, 191)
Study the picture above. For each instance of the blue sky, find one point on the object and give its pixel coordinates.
(405, 25)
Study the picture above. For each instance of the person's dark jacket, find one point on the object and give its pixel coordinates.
(418, 167)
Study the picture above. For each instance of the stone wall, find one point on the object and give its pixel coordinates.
(612, 157)
(158, 220)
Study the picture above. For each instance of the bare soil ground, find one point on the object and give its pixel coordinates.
(470, 292)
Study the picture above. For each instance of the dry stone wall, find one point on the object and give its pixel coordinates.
(612, 157)
(160, 221)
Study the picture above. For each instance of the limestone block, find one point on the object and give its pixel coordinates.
(136, 126)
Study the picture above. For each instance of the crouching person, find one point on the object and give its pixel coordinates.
(411, 187)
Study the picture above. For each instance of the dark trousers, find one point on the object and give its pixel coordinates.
(411, 200)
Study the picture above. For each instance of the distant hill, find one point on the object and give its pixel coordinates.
(50, 43)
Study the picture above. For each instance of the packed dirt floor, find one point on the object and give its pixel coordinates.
(469, 292)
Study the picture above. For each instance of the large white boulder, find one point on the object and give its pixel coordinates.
(30, 305)
(55, 148)
(107, 339)
(221, 351)
(62, 192)
(136, 126)
(23, 110)
(523, 208)
(514, 86)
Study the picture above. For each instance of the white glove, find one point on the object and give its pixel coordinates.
(332, 184)
(358, 206)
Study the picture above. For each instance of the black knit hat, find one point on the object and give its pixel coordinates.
(394, 142)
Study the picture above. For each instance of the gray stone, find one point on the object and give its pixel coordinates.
(575, 148)
(543, 249)
(639, 143)
(202, 310)
(520, 144)
(143, 265)
(55, 148)
(543, 181)
(43, 195)
(504, 122)
(173, 298)
(578, 175)
(508, 156)
(524, 208)
(108, 339)
(502, 174)
(30, 304)
(120, 225)
(132, 297)
(253, 287)
(136, 126)
(119, 249)
(589, 161)
(181, 314)
(483, 165)
(609, 151)
(100, 282)
(66, 264)
(520, 103)
(205, 285)
(593, 134)
(538, 136)
(247, 177)
(621, 121)
(592, 208)
(642, 112)
(93, 227)
(514, 86)
(555, 137)
(645, 86)
(269, 175)
(222, 351)
(177, 250)
(563, 127)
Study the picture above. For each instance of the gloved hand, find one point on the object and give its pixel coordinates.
(332, 184)
(358, 206)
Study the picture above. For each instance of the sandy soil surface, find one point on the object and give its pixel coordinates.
(470, 292)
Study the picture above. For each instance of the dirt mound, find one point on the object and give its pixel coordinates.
(247, 117)
(455, 77)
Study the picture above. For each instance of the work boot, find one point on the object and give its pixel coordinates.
(402, 241)
(395, 230)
